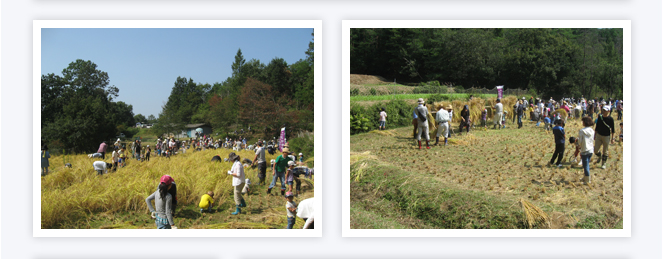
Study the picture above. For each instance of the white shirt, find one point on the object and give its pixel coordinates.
(239, 170)
(99, 165)
(115, 156)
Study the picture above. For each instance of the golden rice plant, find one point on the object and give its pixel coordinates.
(72, 194)
(533, 214)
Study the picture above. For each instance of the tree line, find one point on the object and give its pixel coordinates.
(264, 97)
(553, 62)
(77, 108)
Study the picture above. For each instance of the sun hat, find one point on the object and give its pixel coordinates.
(606, 108)
(291, 163)
(232, 156)
(301, 154)
(439, 106)
(421, 100)
(286, 150)
(210, 193)
(289, 194)
(166, 179)
(450, 107)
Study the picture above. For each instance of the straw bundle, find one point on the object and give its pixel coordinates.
(533, 214)
(384, 132)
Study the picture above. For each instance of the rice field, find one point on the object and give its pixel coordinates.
(484, 179)
(75, 198)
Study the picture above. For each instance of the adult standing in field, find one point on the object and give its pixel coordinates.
(560, 136)
(620, 108)
(278, 170)
(383, 119)
(115, 157)
(605, 130)
(442, 118)
(237, 172)
(499, 111)
(415, 122)
(148, 150)
(586, 144)
(525, 105)
(44, 160)
(464, 119)
(163, 200)
(102, 149)
(519, 112)
(261, 162)
(137, 148)
(515, 111)
(422, 113)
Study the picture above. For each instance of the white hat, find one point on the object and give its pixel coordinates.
(301, 154)
(420, 101)
(291, 163)
(523, 97)
(606, 108)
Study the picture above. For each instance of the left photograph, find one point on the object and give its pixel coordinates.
(176, 125)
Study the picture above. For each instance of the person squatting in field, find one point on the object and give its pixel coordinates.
(605, 130)
(163, 214)
(278, 170)
(237, 172)
(422, 113)
(206, 202)
(259, 160)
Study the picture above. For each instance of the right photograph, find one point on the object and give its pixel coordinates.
(488, 127)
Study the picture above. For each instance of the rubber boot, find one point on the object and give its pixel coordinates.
(243, 203)
(427, 144)
(237, 210)
(269, 190)
(604, 158)
(419, 141)
(437, 140)
(282, 192)
(598, 158)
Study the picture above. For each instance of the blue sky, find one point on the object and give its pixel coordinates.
(144, 63)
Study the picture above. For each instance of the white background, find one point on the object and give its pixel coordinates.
(16, 112)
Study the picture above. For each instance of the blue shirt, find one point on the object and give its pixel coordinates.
(546, 120)
(558, 131)
(414, 114)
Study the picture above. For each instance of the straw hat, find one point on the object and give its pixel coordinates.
(421, 101)
(449, 107)
(286, 150)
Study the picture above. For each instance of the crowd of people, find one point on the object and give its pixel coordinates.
(596, 113)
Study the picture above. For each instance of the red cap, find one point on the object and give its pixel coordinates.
(167, 179)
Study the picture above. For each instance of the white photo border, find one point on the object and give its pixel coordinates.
(350, 24)
(37, 231)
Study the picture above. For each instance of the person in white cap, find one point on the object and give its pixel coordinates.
(422, 113)
(605, 130)
(499, 112)
(301, 158)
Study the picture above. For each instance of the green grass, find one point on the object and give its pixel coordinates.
(413, 97)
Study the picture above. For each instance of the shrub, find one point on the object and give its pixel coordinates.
(437, 98)
(354, 92)
(459, 89)
(430, 89)
(303, 144)
(373, 91)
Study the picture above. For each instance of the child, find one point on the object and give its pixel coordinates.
(546, 121)
(247, 189)
(301, 158)
(147, 153)
(621, 132)
(44, 160)
(291, 209)
(383, 119)
(206, 202)
(574, 141)
(289, 175)
(560, 136)
(484, 113)
(504, 120)
(115, 157)
(123, 156)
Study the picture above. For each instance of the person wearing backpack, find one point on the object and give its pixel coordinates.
(422, 113)
(605, 130)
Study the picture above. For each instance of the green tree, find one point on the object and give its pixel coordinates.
(140, 118)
